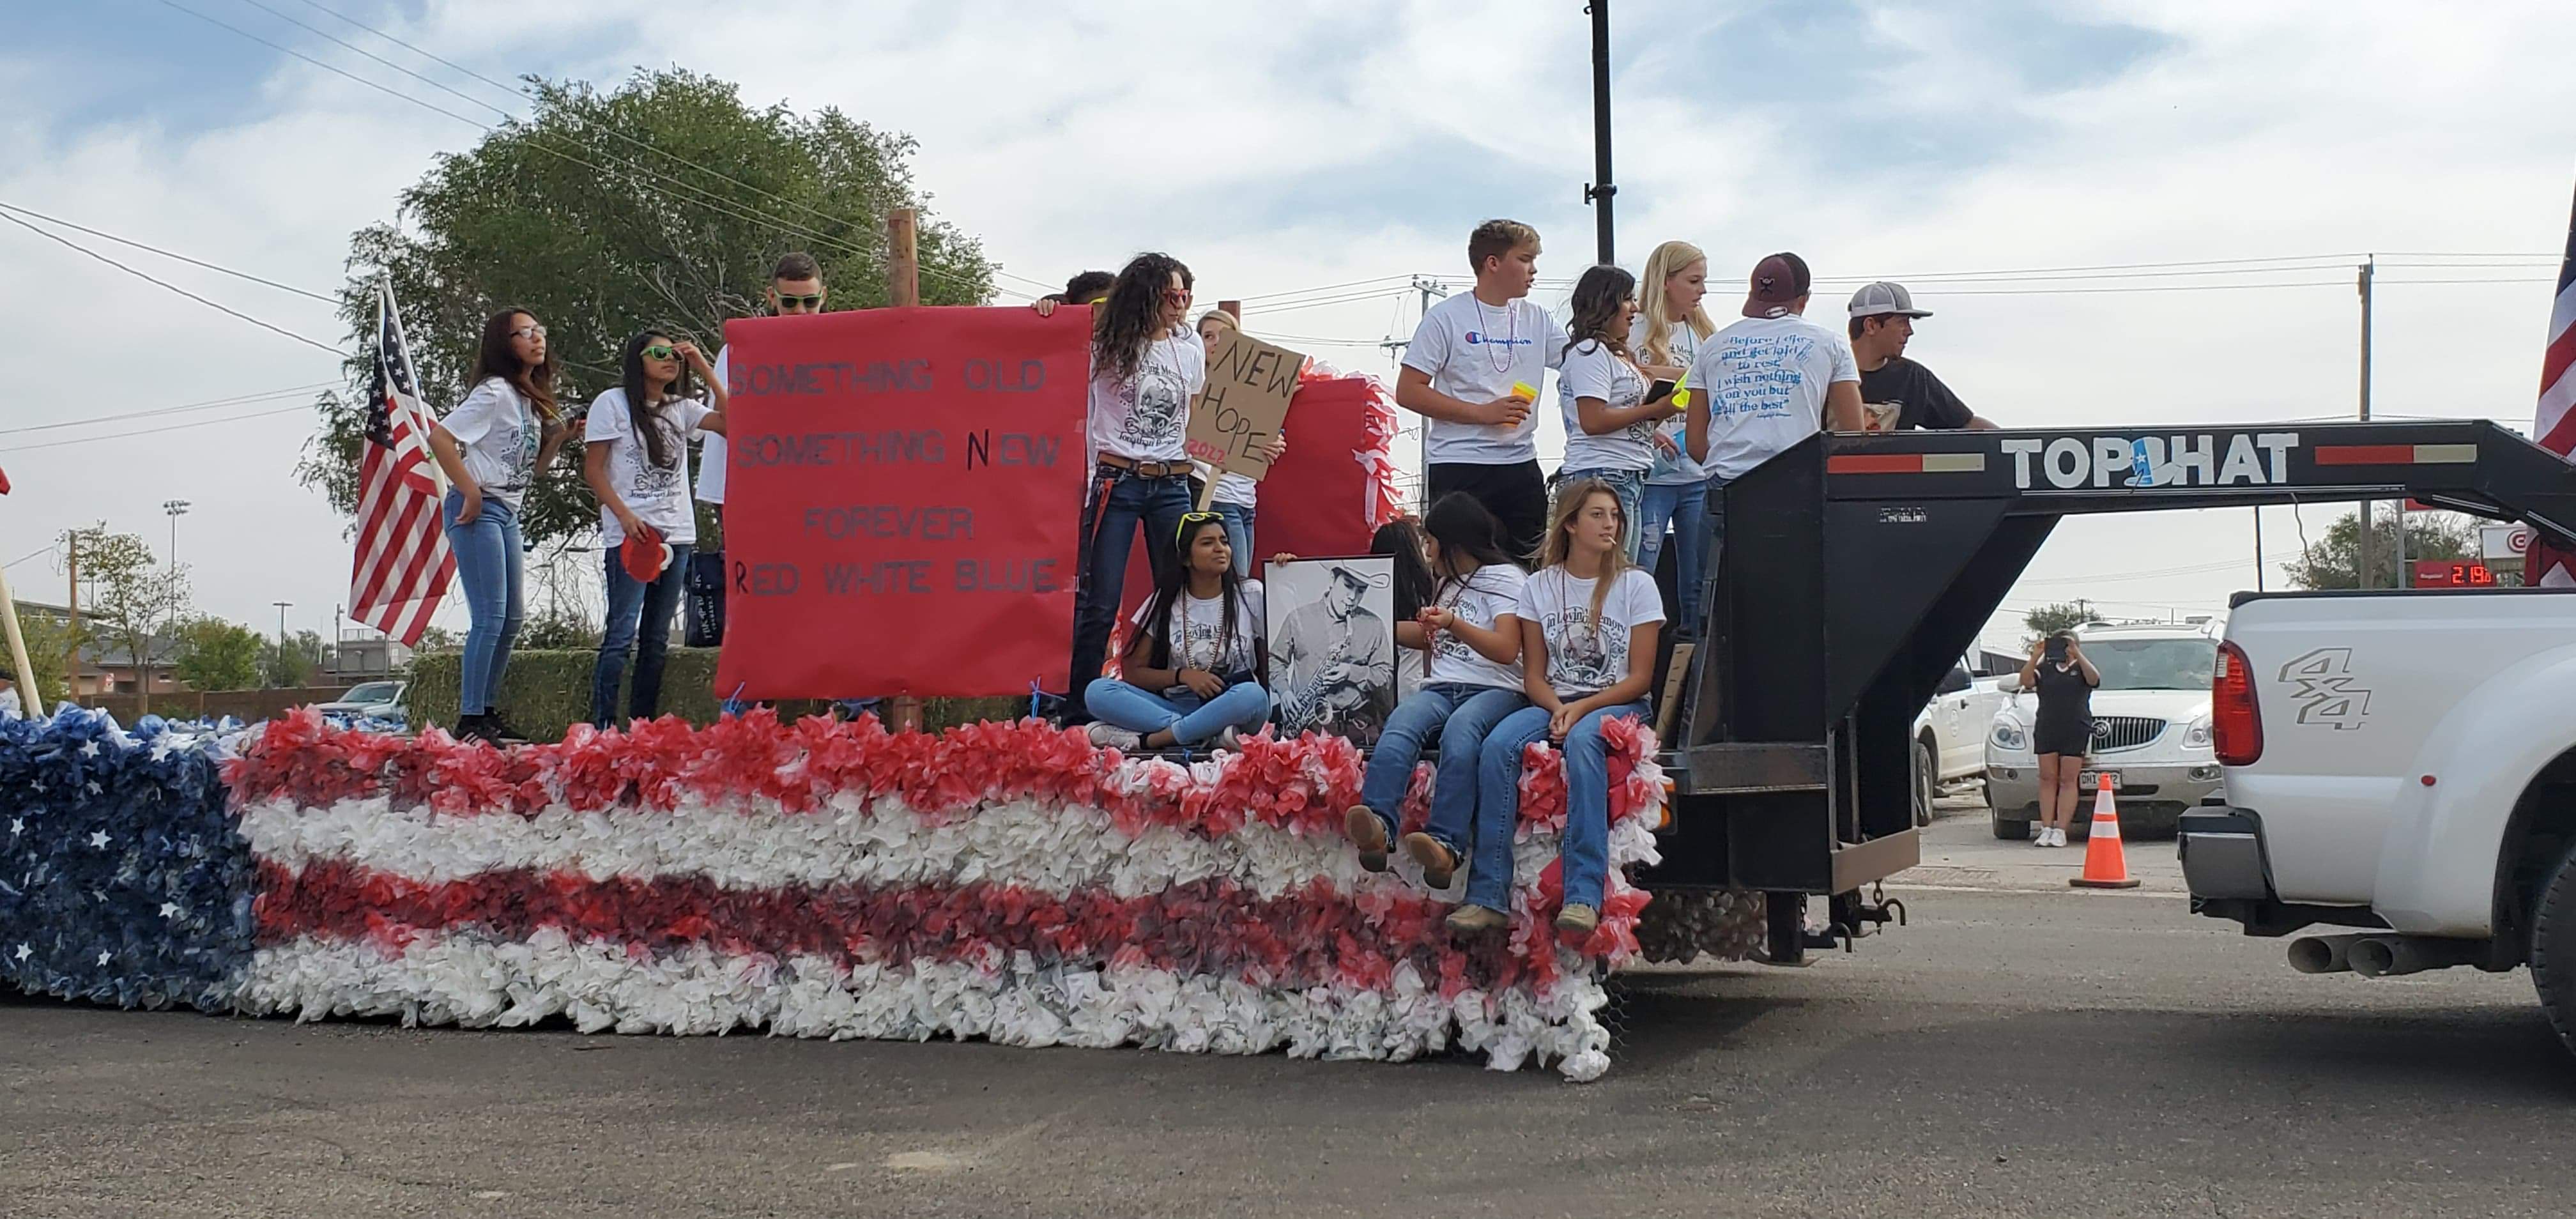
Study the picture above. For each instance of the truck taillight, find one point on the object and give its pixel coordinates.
(2235, 723)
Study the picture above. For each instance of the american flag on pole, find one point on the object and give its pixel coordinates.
(2554, 425)
(403, 566)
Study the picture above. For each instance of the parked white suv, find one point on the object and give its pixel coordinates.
(2151, 730)
(1950, 734)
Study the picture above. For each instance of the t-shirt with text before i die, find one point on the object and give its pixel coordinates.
(1475, 352)
(1764, 379)
(1146, 416)
(1493, 591)
(1195, 629)
(1584, 657)
(658, 495)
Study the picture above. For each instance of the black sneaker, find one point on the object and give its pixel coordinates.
(498, 730)
(469, 728)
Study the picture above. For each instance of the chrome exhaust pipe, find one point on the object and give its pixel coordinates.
(2322, 954)
(2390, 956)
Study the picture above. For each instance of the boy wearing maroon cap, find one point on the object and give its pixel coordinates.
(1766, 383)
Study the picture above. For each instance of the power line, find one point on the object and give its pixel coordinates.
(172, 287)
(707, 198)
(210, 404)
(48, 548)
(194, 262)
(151, 431)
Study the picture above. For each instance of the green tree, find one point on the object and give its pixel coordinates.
(305, 656)
(2335, 562)
(218, 655)
(438, 639)
(2047, 620)
(131, 601)
(558, 627)
(594, 214)
(50, 651)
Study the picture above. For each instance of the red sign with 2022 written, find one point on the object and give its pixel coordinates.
(903, 493)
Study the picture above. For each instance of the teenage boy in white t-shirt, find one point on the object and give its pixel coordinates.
(1765, 383)
(795, 289)
(1459, 372)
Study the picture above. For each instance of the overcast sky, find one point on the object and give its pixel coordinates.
(1294, 145)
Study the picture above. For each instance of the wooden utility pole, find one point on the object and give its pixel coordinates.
(903, 290)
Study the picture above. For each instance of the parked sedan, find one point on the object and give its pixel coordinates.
(381, 700)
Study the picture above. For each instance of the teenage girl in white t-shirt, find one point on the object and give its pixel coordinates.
(636, 460)
(1609, 421)
(1192, 665)
(1471, 634)
(492, 447)
(1670, 323)
(1588, 629)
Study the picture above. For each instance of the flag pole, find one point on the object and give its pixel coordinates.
(388, 316)
(31, 700)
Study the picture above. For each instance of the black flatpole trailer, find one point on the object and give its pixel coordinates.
(1855, 568)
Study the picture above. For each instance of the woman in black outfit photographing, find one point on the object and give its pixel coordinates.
(2063, 729)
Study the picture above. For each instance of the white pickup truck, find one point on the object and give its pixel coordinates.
(2402, 763)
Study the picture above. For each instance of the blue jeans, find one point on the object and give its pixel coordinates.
(1631, 488)
(1460, 715)
(1243, 705)
(1586, 848)
(487, 561)
(639, 615)
(1118, 502)
(1238, 534)
(1685, 506)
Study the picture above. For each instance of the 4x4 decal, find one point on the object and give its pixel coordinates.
(2326, 694)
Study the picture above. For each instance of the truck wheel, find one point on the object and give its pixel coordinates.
(2009, 831)
(2553, 949)
(1926, 778)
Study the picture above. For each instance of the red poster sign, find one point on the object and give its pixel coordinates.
(902, 496)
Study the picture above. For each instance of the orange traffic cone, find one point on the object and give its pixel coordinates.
(2106, 866)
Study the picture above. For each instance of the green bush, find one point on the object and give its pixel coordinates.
(546, 691)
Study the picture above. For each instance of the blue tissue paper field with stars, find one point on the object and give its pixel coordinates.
(123, 879)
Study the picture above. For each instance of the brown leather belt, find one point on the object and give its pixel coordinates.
(1145, 469)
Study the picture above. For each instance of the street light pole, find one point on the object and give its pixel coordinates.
(174, 508)
(1602, 189)
(281, 638)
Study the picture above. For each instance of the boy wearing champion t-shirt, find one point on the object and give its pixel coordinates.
(1459, 373)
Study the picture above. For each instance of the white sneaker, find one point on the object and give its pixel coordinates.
(2039, 835)
(1106, 735)
(2057, 837)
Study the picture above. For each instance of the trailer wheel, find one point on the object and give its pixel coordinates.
(1927, 776)
(2553, 949)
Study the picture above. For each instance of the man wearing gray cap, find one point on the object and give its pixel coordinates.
(1898, 392)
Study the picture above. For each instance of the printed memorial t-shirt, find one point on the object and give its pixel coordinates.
(1592, 370)
(1492, 592)
(1582, 658)
(1195, 628)
(1147, 417)
(1764, 380)
(657, 494)
(1474, 352)
(496, 431)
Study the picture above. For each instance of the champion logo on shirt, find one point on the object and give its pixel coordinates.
(1477, 338)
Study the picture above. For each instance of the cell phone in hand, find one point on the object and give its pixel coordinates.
(1661, 390)
(2055, 649)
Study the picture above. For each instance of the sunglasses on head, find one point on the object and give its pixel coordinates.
(660, 351)
(786, 302)
(1191, 518)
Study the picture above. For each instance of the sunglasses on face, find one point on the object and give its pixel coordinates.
(529, 332)
(660, 351)
(1177, 296)
(793, 304)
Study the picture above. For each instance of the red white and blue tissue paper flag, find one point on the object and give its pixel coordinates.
(822, 879)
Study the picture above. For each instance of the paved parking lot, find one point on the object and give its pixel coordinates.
(2021, 1049)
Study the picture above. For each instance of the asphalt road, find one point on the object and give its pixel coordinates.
(2020, 1049)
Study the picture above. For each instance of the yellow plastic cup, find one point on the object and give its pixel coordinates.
(1524, 391)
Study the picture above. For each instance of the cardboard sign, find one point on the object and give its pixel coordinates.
(902, 502)
(1249, 383)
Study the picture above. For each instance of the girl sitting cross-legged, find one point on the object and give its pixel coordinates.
(1588, 625)
(1191, 669)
